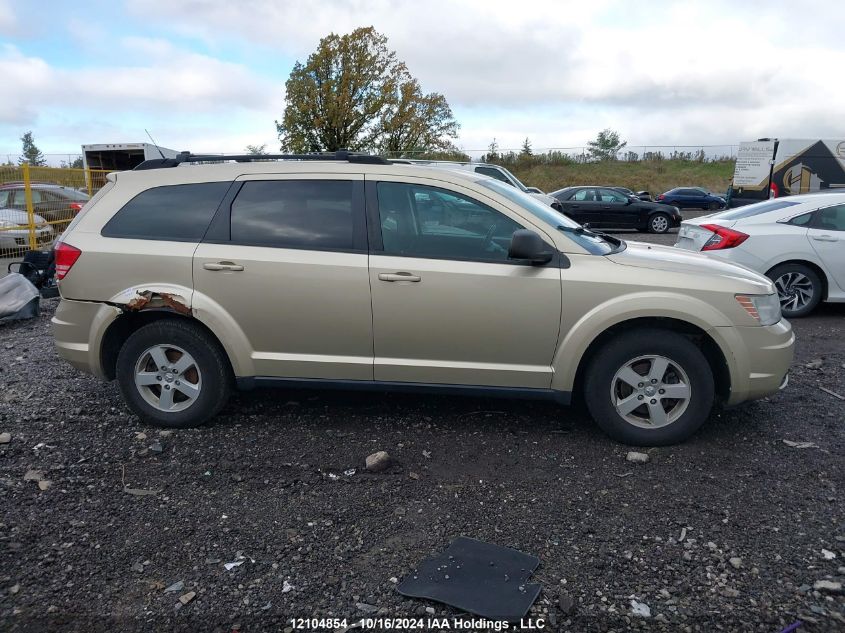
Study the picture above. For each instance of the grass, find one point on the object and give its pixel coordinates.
(653, 176)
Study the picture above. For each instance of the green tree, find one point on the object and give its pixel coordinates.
(606, 146)
(30, 153)
(335, 99)
(526, 148)
(256, 150)
(492, 154)
(416, 123)
(353, 93)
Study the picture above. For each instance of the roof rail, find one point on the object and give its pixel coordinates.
(188, 157)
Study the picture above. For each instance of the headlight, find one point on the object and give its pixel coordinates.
(764, 308)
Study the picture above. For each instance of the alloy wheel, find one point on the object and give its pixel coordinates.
(650, 391)
(659, 224)
(168, 378)
(795, 290)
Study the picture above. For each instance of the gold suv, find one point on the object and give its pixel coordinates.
(184, 279)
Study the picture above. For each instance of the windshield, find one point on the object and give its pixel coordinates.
(751, 210)
(593, 243)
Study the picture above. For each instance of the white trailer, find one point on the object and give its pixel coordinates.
(121, 156)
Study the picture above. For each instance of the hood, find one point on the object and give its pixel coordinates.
(671, 259)
(19, 217)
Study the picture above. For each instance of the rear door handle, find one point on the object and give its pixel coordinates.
(399, 277)
(825, 238)
(222, 266)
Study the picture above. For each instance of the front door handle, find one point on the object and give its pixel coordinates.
(825, 238)
(399, 277)
(222, 266)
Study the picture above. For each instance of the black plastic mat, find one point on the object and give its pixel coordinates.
(477, 577)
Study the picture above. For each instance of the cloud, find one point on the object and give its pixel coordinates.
(8, 20)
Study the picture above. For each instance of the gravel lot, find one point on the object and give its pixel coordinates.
(728, 532)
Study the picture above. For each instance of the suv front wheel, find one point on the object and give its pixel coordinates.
(649, 387)
(173, 374)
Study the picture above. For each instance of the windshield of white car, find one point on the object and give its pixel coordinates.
(593, 243)
(750, 210)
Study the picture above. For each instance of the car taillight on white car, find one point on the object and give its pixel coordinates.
(722, 238)
(66, 256)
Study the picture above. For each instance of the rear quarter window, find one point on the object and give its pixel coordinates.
(179, 213)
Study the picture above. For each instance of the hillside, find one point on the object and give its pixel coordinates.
(653, 176)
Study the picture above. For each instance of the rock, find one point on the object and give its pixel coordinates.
(566, 603)
(176, 586)
(33, 475)
(140, 436)
(640, 609)
(187, 597)
(366, 608)
(729, 592)
(637, 458)
(44, 484)
(828, 555)
(156, 447)
(165, 433)
(816, 363)
(5, 438)
(736, 562)
(378, 461)
(828, 586)
(413, 475)
(138, 567)
(286, 587)
(14, 589)
(429, 610)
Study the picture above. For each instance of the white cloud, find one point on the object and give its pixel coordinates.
(8, 20)
(713, 71)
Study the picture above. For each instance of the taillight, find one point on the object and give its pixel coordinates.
(76, 206)
(722, 238)
(661, 197)
(66, 256)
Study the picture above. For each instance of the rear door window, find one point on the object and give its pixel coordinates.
(302, 214)
(178, 213)
(830, 219)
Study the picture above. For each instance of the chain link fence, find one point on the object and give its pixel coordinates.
(38, 203)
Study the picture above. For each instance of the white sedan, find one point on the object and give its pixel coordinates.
(797, 241)
(14, 231)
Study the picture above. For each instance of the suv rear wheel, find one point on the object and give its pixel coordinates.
(173, 374)
(649, 387)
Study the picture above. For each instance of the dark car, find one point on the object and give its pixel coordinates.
(642, 195)
(56, 204)
(605, 207)
(692, 197)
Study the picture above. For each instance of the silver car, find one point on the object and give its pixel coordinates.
(14, 231)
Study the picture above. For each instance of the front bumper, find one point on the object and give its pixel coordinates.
(760, 357)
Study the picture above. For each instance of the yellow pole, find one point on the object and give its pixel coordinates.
(87, 173)
(30, 212)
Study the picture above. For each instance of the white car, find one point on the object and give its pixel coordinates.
(798, 242)
(14, 231)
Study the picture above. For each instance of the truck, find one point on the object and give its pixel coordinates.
(121, 156)
(771, 168)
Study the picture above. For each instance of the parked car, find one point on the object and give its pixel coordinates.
(14, 231)
(798, 242)
(606, 207)
(692, 197)
(185, 282)
(56, 204)
(488, 169)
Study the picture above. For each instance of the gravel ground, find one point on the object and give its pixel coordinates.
(730, 531)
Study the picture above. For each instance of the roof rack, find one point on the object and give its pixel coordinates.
(188, 157)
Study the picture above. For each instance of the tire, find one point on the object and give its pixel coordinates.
(713, 206)
(205, 374)
(799, 289)
(686, 366)
(658, 223)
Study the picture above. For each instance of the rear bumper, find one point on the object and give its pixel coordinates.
(78, 329)
(760, 360)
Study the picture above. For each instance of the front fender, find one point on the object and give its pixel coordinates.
(580, 335)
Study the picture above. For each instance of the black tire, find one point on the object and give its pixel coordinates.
(713, 206)
(790, 272)
(617, 353)
(210, 361)
(663, 227)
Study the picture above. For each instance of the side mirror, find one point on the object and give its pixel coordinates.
(530, 246)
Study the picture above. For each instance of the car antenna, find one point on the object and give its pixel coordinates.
(154, 142)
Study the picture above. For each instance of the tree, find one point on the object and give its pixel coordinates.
(492, 154)
(416, 123)
(606, 146)
(30, 153)
(256, 150)
(353, 93)
(526, 148)
(76, 163)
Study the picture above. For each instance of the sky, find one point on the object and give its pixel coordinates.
(208, 75)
